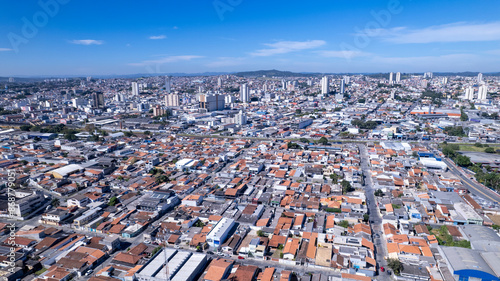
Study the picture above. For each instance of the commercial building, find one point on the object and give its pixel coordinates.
(182, 266)
(212, 102)
(467, 264)
(219, 233)
(26, 203)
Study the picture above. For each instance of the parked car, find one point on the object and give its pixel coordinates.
(382, 269)
(241, 258)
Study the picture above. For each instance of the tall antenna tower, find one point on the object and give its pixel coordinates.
(167, 275)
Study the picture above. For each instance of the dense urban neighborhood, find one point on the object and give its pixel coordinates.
(251, 176)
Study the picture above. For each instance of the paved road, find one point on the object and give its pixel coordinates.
(474, 187)
(375, 218)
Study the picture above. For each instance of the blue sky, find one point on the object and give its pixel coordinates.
(76, 37)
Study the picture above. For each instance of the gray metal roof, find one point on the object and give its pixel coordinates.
(462, 259)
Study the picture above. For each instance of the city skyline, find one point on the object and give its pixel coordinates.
(75, 38)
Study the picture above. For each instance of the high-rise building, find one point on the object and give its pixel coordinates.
(78, 102)
(168, 83)
(469, 93)
(229, 99)
(445, 80)
(391, 77)
(479, 78)
(398, 77)
(98, 100)
(219, 82)
(211, 102)
(428, 75)
(342, 86)
(482, 93)
(347, 79)
(11, 79)
(120, 97)
(240, 118)
(244, 93)
(172, 100)
(158, 110)
(135, 89)
(325, 85)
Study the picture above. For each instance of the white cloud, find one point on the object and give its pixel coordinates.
(168, 59)
(346, 54)
(226, 61)
(87, 42)
(175, 27)
(455, 32)
(157, 37)
(284, 47)
(5, 49)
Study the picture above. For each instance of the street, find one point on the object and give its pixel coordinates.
(375, 218)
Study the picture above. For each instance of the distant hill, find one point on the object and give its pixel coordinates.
(465, 74)
(274, 73)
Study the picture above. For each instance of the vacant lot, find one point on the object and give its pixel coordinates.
(495, 219)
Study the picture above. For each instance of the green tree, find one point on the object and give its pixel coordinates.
(463, 115)
(449, 152)
(304, 140)
(25, 128)
(55, 202)
(489, 150)
(463, 161)
(344, 224)
(162, 179)
(112, 201)
(335, 178)
(323, 141)
(396, 265)
(366, 217)
(70, 136)
(155, 250)
(293, 145)
(379, 193)
(199, 223)
(346, 186)
(260, 233)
